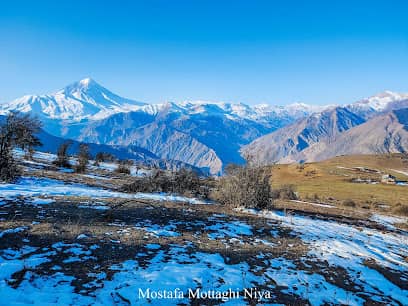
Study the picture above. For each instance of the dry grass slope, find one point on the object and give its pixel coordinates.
(331, 181)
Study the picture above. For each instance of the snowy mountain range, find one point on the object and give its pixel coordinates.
(86, 99)
(205, 134)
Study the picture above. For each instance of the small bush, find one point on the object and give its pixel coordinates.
(401, 209)
(244, 186)
(104, 157)
(83, 158)
(300, 167)
(184, 181)
(123, 168)
(62, 155)
(349, 203)
(285, 192)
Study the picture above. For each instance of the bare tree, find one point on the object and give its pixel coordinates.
(83, 158)
(103, 157)
(62, 155)
(18, 131)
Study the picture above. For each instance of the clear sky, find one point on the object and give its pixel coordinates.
(275, 52)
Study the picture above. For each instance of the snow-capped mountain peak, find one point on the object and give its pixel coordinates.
(86, 85)
(87, 81)
(85, 99)
(381, 101)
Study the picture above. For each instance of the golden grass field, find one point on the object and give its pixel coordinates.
(330, 180)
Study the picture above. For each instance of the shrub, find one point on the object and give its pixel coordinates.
(401, 209)
(244, 186)
(300, 167)
(285, 192)
(103, 157)
(62, 155)
(184, 181)
(349, 203)
(123, 168)
(83, 158)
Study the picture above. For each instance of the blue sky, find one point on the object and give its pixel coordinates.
(273, 52)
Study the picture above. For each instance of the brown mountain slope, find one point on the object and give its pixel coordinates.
(387, 133)
(288, 141)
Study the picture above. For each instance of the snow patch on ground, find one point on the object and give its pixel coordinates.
(185, 267)
(174, 269)
(311, 203)
(388, 221)
(13, 231)
(33, 187)
(400, 172)
(157, 230)
(41, 201)
(350, 247)
(234, 229)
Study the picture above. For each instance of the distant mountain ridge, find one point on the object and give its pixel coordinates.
(383, 134)
(294, 138)
(205, 134)
(357, 128)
